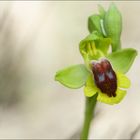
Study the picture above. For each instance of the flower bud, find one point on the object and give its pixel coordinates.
(113, 26)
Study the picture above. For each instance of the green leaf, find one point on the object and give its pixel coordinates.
(94, 23)
(73, 76)
(113, 26)
(123, 59)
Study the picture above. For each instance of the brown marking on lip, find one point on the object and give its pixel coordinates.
(105, 77)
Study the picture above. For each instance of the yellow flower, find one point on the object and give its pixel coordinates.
(92, 88)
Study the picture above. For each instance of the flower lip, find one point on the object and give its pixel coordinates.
(104, 76)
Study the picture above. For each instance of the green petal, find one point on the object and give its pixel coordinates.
(90, 88)
(111, 100)
(123, 81)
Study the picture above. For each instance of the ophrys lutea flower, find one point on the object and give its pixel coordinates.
(104, 81)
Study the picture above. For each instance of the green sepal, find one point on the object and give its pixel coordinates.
(73, 77)
(94, 23)
(94, 46)
(101, 11)
(103, 44)
(122, 60)
(113, 26)
(83, 46)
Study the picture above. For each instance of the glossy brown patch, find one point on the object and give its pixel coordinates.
(105, 77)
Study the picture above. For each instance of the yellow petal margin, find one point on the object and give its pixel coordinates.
(123, 81)
(111, 100)
(90, 88)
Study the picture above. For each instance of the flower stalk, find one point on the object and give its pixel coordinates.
(89, 110)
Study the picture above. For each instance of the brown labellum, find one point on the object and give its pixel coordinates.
(105, 77)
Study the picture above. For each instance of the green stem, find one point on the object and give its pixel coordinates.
(89, 110)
